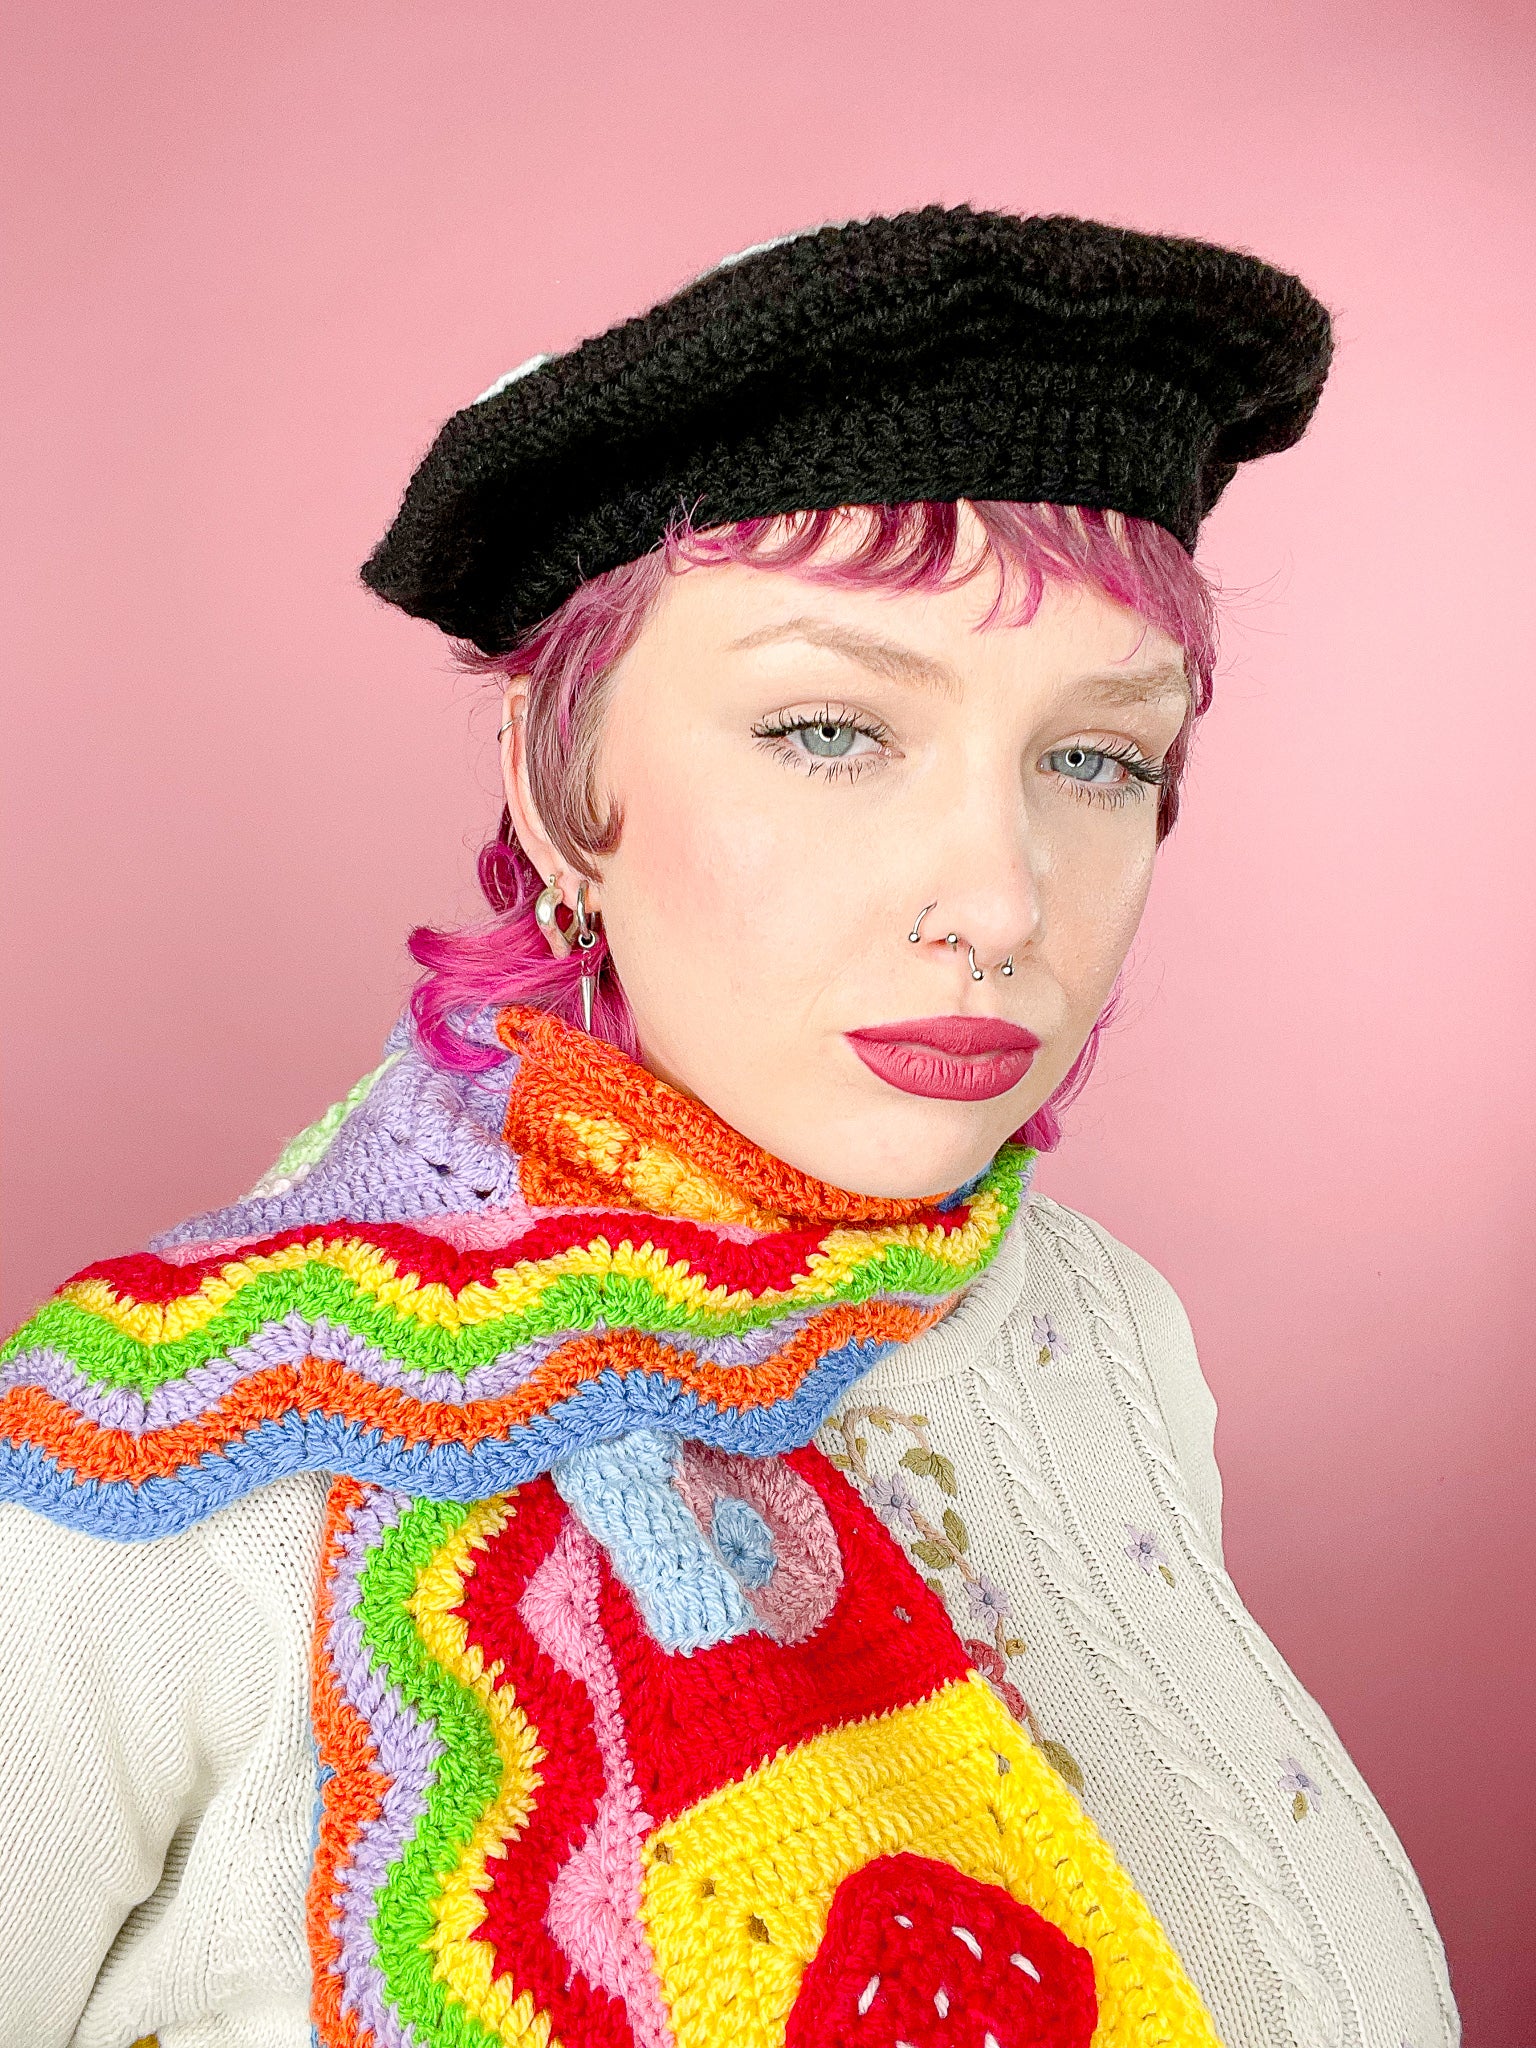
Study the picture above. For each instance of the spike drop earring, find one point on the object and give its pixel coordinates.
(584, 936)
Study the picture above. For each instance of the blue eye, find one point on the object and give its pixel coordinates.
(1084, 764)
(827, 742)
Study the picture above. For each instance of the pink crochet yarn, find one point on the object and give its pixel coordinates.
(569, 657)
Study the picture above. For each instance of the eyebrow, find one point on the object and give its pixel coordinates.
(904, 664)
(1141, 686)
(882, 657)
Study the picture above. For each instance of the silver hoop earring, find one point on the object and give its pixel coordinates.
(585, 938)
(977, 973)
(1007, 966)
(917, 930)
(547, 904)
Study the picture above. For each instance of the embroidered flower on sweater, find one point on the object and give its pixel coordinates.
(1306, 1792)
(1048, 1344)
(942, 1546)
(892, 1501)
(990, 1602)
(1145, 1550)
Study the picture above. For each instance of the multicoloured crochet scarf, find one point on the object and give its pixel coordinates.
(634, 1725)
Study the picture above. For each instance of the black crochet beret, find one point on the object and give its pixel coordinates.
(941, 354)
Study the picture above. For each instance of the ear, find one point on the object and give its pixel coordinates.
(527, 824)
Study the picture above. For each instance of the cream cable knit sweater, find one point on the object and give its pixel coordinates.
(1047, 1455)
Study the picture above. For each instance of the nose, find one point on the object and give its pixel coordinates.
(986, 920)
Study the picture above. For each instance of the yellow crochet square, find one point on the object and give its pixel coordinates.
(737, 1890)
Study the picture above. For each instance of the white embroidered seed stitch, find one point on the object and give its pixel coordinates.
(989, 2041)
(1023, 1963)
(902, 1920)
(969, 1939)
(867, 1995)
(941, 2003)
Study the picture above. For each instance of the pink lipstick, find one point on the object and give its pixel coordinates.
(954, 1059)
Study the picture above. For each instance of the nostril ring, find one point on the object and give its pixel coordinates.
(977, 974)
(917, 930)
(952, 939)
(1007, 966)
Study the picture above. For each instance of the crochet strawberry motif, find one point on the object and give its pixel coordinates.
(918, 1955)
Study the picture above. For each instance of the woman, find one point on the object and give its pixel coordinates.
(746, 1569)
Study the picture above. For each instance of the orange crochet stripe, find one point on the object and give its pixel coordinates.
(324, 1386)
(565, 1077)
(355, 1794)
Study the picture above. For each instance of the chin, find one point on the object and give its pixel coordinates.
(904, 1153)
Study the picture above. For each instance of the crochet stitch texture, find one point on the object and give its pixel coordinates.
(662, 1740)
(939, 354)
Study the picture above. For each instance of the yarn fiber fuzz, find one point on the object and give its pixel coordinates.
(941, 354)
(634, 1724)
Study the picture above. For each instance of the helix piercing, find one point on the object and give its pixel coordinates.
(977, 973)
(917, 930)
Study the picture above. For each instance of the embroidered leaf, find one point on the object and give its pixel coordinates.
(935, 1586)
(861, 1446)
(880, 1419)
(954, 1529)
(1015, 1646)
(920, 1462)
(1168, 1575)
(918, 1421)
(1063, 1763)
(1299, 1806)
(944, 1472)
(1045, 1355)
(939, 1555)
(843, 1464)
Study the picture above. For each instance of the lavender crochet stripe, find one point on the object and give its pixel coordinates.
(421, 1143)
(296, 1338)
(407, 1749)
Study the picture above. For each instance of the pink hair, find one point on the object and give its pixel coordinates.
(569, 659)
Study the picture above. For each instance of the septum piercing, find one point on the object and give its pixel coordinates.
(952, 940)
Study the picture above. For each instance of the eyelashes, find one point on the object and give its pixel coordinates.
(828, 736)
(824, 743)
(1141, 775)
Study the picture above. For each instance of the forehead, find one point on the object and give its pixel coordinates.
(939, 639)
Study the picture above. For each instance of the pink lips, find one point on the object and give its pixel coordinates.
(954, 1059)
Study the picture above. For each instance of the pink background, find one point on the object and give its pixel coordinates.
(264, 248)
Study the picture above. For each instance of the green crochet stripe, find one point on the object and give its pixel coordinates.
(320, 1293)
(310, 1146)
(456, 1797)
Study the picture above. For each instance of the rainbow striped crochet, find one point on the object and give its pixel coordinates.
(634, 1725)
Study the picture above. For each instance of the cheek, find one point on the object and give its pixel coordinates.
(713, 885)
(1095, 902)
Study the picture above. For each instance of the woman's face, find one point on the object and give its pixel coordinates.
(799, 770)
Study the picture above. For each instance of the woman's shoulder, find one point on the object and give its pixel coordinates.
(1085, 1290)
(261, 1550)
